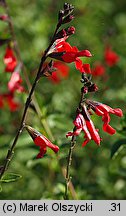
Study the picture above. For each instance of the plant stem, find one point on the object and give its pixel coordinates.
(69, 160)
(73, 141)
(22, 124)
(17, 51)
(28, 101)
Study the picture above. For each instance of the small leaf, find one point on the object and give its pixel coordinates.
(116, 146)
(10, 177)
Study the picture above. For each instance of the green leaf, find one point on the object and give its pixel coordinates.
(10, 177)
(116, 147)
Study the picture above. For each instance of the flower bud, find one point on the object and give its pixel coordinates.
(61, 14)
(93, 88)
(68, 19)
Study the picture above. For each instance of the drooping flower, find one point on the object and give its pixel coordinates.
(15, 82)
(111, 58)
(41, 141)
(63, 51)
(98, 69)
(90, 125)
(104, 111)
(10, 60)
(62, 72)
(85, 124)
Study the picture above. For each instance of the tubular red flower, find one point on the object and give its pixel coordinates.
(15, 82)
(9, 60)
(87, 126)
(104, 110)
(41, 141)
(8, 99)
(111, 58)
(63, 51)
(13, 105)
(93, 131)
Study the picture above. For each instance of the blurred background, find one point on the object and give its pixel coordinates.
(95, 174)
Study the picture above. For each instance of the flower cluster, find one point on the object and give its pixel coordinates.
(15, 82)
(12, 67)
(64, 52)
(84, 123)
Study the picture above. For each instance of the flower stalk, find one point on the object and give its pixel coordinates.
(27, 104)
(84, 80)
(17, 51)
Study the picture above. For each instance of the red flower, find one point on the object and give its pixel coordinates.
(4, 17)
(65, 52)
(111, 58)
(9, 100)
(13, 105)
(1, 101)
(104, 110)
(98, 70)
(61, 72)
(15, 82)
(10, 60)
(84, 123)
(41, 141)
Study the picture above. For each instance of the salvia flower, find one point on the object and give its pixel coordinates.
(85, 124)
(41, 141)
(105, 111)
(111, 58)
(62, 72)
(10, 60)
(15, 82)
(65, 52)
(12, 104)
(8, 100)
(98, 69)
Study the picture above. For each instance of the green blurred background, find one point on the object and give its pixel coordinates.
(94, 174)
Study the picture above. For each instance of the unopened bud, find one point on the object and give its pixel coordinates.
(93, 88)
(66, 6)
(68, 19)
(61, 34)
(85, 90)
(61, 14)
(70, 30)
